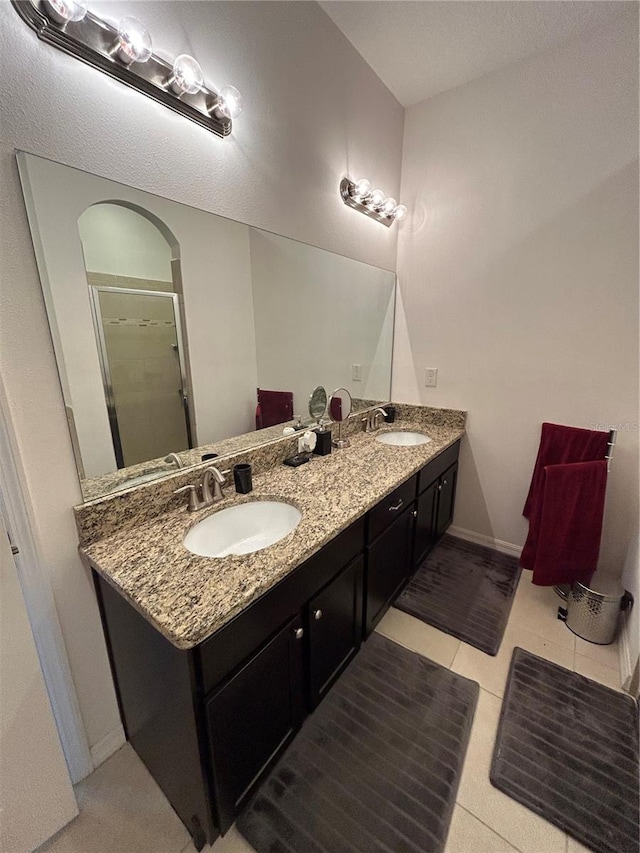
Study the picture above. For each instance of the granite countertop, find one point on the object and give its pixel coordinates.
(188, 597)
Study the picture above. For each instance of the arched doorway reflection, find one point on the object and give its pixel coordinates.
(131, 261)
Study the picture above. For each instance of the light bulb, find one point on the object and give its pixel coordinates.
(361, 188)
(229, 102)
(64, 11)
(187, 77)
(134, 41)
(388, 206)
(400, 212)
(376, 198)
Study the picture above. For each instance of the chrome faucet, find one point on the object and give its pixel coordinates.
(173, 459)
(371, 420)
(211, 477)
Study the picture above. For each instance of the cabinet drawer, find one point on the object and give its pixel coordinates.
(389, 508)
(437, 466)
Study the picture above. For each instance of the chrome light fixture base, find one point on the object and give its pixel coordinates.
(92, 41)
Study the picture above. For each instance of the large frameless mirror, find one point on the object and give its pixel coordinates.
(181, 334)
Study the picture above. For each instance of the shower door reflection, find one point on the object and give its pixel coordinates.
(143, 370)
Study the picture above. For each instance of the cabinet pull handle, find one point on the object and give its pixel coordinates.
(299, 633)
(395, 508)
(439, 487)
(444, 482)
(415, 513)
(317, 614)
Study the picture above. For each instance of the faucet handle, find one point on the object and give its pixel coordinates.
(193, 504)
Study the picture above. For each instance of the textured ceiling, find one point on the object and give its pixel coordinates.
(422, 48)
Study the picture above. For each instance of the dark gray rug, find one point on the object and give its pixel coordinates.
(377, 765)
(567, 748)
(465, 590)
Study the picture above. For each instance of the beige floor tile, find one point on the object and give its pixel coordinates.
(535, 609)
(491, 672)
(469, 835)
(122, 810)
(232, 842)
(522, 828)
(418, 636)
(605, 655)
(606, 675)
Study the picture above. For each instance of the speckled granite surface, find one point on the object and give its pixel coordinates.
(188, 597)
(155, 469)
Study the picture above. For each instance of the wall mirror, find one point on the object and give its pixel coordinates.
(180, 334)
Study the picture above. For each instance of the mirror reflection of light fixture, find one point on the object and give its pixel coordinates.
(373, 203)
(124, 52)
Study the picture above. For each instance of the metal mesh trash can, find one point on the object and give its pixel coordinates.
(593, 611)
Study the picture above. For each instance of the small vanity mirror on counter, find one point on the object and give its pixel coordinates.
(339, 411)
(170, 324)
(317, 404)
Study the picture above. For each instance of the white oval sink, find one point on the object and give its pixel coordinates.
(403, 439)
(242, 529)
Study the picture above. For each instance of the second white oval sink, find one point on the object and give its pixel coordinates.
(242, 529)
(403, 439)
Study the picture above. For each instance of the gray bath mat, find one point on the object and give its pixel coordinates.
(377, 765)
(567, 748)
(465, 590)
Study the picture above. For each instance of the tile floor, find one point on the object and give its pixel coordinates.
(123, 811)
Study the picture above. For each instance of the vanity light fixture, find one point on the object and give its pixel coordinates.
(126, 53)
(373, 203)
(134, 42)
(187, 77)
(63, 11)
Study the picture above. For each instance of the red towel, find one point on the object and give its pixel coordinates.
(565, 525)
(559, 444)
(276, 407)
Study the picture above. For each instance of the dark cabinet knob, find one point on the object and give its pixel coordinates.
(317, 614)
(299, 633)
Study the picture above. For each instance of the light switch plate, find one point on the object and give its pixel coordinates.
(431, 377)
(356, 372)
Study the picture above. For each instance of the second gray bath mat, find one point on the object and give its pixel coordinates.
(465, 590)
(567, 748)
(376, 767)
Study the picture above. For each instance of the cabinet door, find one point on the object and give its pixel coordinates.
(335, 628)
(388, 562)
(425, 522)
(446, 499)
(253, 717)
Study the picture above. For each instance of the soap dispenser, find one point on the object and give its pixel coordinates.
(323, 444)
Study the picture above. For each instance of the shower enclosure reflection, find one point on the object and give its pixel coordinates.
(138, 331)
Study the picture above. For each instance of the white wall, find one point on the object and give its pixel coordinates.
(120, 241)
(314, 111)
(518, 269)
(298, 292)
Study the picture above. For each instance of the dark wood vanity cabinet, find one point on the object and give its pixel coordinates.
(253, 717)
(334, 619)
(435, 501)
(389, 549)
(209, 722)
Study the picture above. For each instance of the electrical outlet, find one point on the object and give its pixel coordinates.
(431, 377)
(356, 372)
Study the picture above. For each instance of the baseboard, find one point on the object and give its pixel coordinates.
(107, 745)
(627, 666)
(487, 541)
